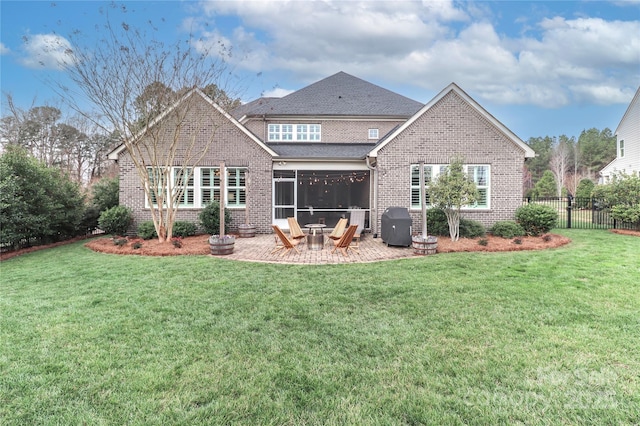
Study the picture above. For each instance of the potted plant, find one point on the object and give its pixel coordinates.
(424, 244)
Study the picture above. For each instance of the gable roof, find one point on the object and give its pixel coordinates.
(528, 152)
(115, 153)
(338, 95)
(627, 113)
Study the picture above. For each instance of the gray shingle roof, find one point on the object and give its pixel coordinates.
(344, 151)
(340, 94)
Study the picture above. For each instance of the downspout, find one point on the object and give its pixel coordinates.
(373, 216)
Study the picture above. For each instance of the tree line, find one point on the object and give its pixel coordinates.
(563, 162)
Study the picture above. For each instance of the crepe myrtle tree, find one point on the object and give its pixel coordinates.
(147, 91)
(451, 190)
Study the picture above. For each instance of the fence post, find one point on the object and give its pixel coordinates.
(569, 197)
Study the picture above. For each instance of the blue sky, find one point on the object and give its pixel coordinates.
(540, 67)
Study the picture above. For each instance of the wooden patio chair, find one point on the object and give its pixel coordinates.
(295, 231)
(344, 243)
(357, 218)
(337, 232)
(287, 244)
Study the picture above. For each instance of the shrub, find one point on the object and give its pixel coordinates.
(583, 194)
(506, 229)
(105, 193)
(517, 241)
(147, 230)
(38, 204)
(137, 245)
(437, 222)
(184, 229)
(177, 242)
(536, 219)
(438, 225)
(116, 220)
(471, 228)
(483, 242)
(210, 218)
(119, 242)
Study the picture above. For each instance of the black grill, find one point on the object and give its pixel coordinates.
(396, 227)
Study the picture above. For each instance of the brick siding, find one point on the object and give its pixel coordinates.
(230, 145)
(451, 127)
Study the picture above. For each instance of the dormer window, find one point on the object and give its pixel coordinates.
(373, 134)
(294, 132)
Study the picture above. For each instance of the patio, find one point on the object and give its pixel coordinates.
(259, 248)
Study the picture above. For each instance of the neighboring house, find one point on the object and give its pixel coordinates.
(343, 144)
(627, 143)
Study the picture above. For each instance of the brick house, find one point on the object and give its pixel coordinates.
(343, 144)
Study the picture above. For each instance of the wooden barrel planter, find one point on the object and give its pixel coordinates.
(424, 246)
(221, 246)
(246, 231)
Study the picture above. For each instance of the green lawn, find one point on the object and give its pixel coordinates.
(549, 337)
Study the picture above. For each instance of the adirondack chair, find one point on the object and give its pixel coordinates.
(287, 244)
(344, 243)
(337, 232)
(295, 231)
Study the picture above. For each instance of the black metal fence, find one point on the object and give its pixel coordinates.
(581, 213)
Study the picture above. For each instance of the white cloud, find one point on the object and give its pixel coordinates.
(429, 44)
(47, 51)
(277, 92)
(4, 50)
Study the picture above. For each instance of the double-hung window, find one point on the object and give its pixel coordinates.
(479, 174)
(621, 148)
(200, 186)
(183, 181)
(235, 185)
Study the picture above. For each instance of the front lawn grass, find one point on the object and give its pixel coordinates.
(548, 337)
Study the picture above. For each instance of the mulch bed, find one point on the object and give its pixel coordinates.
(199, 245)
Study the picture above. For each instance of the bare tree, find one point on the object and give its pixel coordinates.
(559, 162)
(146, 91)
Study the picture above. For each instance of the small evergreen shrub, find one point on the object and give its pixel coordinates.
(506, 229)
(184, 229)
(210, 218)
(437, 222)
(583, 194)
(116, 220)
(536, 219)
(177, 242)
(437, 225)
(147, 230)
(137, 245)
(517, 241)
(546, 238)
(483, 242)
(471, 228)
(119, 242)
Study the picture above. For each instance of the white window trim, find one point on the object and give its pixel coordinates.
(621, 148)
(436, 169)
(299, 132)
(195, 177)
(374, 134)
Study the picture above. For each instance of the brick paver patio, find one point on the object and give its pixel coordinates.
(258, 249)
